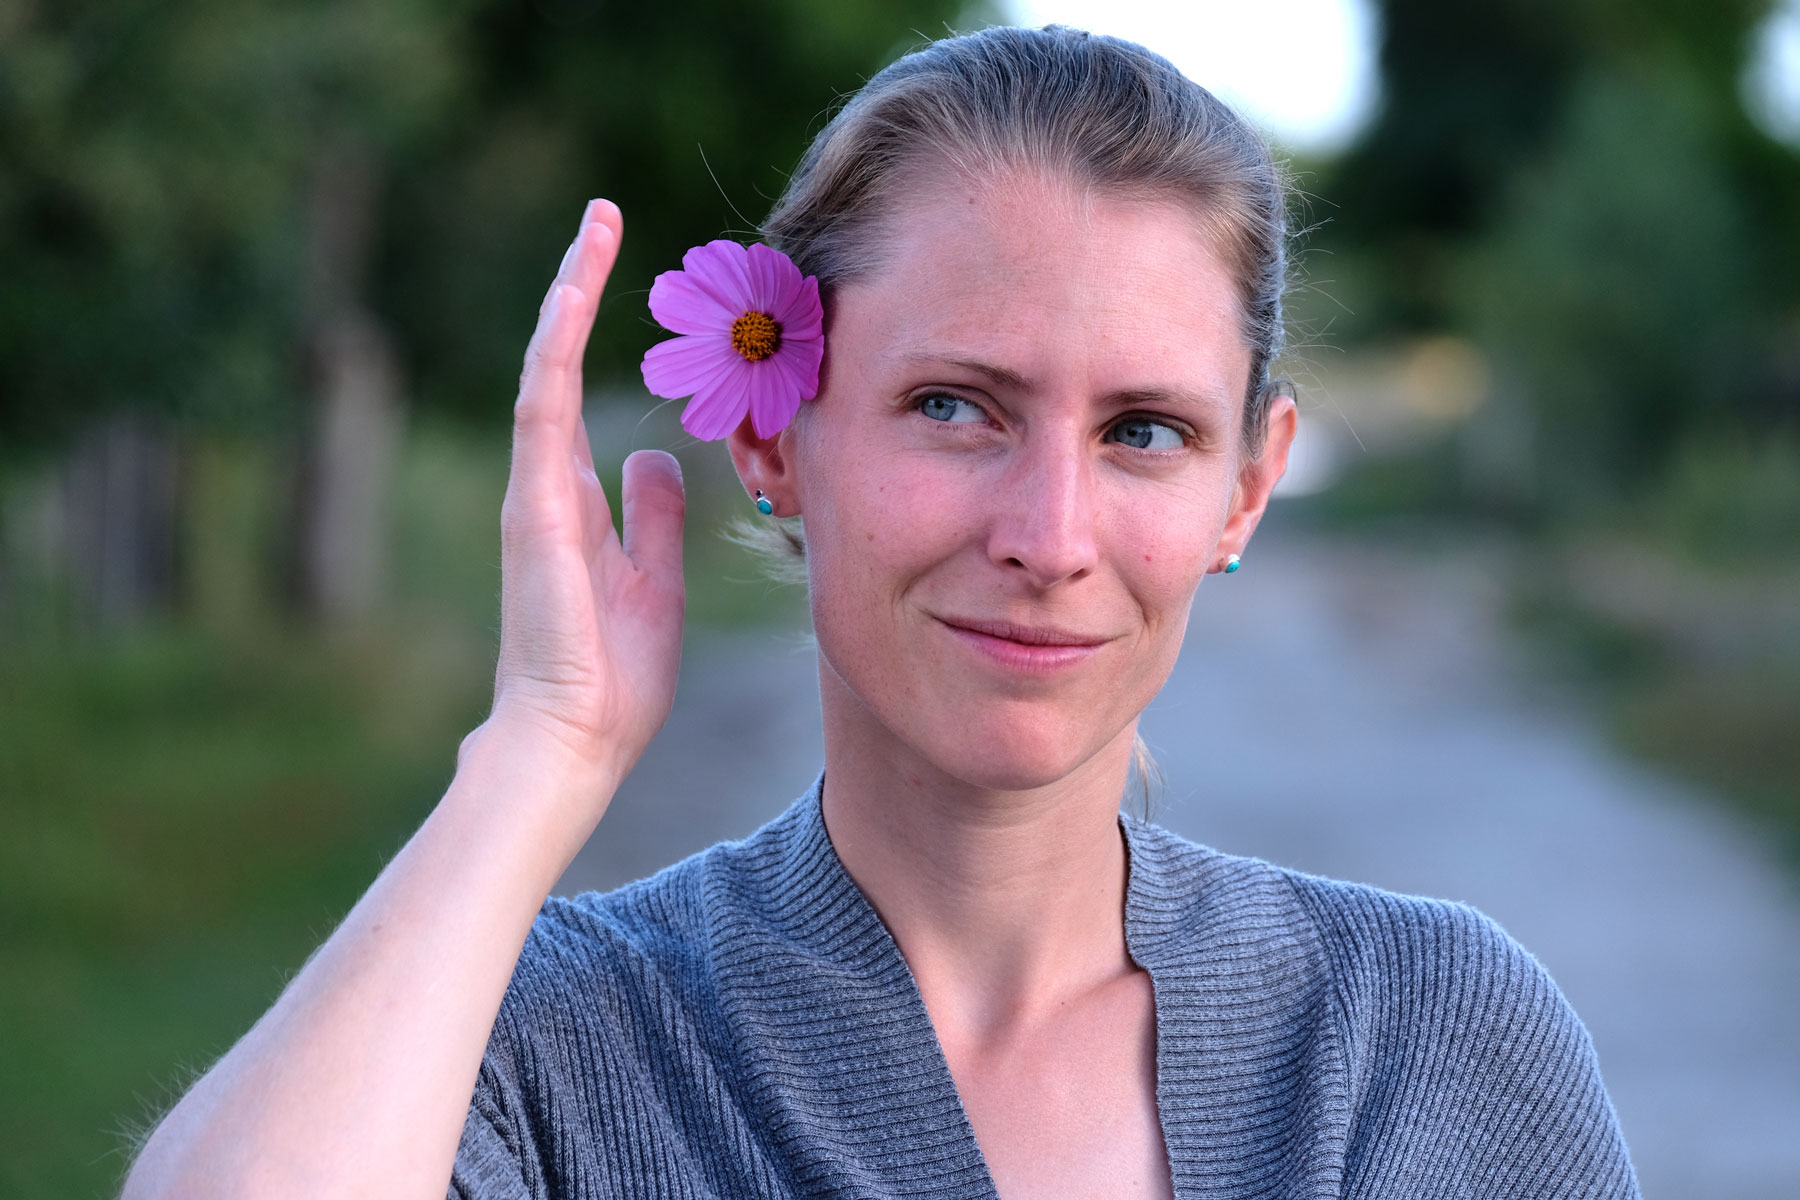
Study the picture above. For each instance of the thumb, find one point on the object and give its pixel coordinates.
(654, 507)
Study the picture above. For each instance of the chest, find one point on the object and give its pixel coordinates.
(1065, 1105)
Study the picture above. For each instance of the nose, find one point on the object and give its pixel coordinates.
(1044, 524)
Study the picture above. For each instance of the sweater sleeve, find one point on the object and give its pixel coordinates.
(489, 1159)
(1470, 1074)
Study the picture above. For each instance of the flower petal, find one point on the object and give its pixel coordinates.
(773, 398)
(790, 365)
(773, 279)
(802, 356)
(682, 365)
(770, 395)
(802, 315)
(681, 305)
(721, 270)
(718, 408)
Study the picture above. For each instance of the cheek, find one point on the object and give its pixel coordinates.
(877, 509)
(860, 526)
(1164, 549)
(879, 523)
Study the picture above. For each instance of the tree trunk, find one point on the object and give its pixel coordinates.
(352, 434)
(114, 509)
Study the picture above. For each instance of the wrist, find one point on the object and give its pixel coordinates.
(524, 740)
(516, 771)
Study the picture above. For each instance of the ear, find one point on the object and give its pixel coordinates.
(766, 464)
(1257, 479)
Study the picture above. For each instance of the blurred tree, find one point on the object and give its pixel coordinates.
(183, 190)
(1615, 292)
(1577, 184)
(154, 161)
(688, 116)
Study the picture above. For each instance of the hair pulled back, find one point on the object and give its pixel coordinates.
(1106, 112)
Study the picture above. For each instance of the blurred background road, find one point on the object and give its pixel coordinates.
(1521, 629)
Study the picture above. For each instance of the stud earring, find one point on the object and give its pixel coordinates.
(763, 504)
(1231, 564)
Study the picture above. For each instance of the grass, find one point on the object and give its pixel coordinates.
(187, 811)
(185, 821)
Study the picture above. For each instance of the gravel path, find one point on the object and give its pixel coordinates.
(1352, 712)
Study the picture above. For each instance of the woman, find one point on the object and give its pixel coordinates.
(1051, 272)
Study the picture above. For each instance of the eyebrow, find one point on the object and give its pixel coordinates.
(1002, 376)
(1122, 398)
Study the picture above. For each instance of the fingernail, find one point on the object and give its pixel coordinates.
(591, 212)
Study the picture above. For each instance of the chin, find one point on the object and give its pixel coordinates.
(1012, 759)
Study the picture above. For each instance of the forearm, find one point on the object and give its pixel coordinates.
(357, 1081)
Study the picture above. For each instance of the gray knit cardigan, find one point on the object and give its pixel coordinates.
(741, 1024)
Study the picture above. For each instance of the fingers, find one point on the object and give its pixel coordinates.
(547, 415)
(655, 504)
(598, 211)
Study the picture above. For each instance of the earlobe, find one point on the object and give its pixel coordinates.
(764, 466)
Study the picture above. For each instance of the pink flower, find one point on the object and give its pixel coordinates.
(753, 334)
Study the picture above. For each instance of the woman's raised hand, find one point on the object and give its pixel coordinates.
(357, 1081)
(590, 626)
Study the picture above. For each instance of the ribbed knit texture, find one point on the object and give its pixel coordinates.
(741, 1024)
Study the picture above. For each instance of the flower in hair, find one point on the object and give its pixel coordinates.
(753, 333)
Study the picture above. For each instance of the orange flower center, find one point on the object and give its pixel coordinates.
(755, 335)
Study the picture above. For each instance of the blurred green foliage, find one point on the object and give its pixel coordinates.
(188, 809)
(1577, 187)
(1732, 503)
(157, 163)
(1616, 293)
(153, 168)
(183, 814)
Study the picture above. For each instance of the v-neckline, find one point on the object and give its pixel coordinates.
(914, 1003)
(882, 1106)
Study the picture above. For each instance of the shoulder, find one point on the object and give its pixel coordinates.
(612, 1016)
(1388, 955)
(1463, 1051)
(1459, 1056)
(607, 956)
(1408, 945)
(1410, 967)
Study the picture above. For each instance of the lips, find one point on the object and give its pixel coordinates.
(1024, 650)
(1025, 635)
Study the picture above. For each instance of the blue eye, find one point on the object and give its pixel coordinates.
(941, 406)
(1141, 433)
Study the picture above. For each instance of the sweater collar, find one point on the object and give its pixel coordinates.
(841, 1051)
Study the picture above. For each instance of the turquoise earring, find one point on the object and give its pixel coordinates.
(1231, 564)
(763, 503)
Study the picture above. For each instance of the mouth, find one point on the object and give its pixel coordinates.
(1025, 635)
(1028, 648)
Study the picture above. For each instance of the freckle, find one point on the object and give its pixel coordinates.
(869, 536)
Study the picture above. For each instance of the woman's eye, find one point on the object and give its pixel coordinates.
(941, 406)
(1141, 433)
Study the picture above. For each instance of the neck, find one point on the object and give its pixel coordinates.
(1005, 903)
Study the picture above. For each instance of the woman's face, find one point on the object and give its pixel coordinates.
(1021, 461)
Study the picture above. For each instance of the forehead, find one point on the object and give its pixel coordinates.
(1047, 277)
